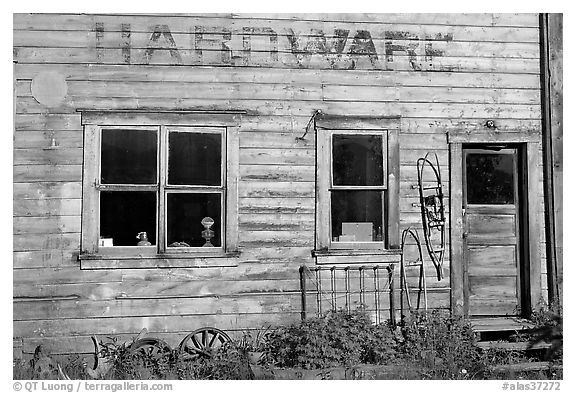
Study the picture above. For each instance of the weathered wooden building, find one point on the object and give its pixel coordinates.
(298, 135)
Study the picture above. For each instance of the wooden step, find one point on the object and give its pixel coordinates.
(512, 346)
(527, 366)
(500, 324)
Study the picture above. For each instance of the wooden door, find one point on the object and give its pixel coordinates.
(492, 232)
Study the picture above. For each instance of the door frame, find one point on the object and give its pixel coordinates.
(528, 148)
(516, 151)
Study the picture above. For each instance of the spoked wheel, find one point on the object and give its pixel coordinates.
(432, 210)
(150, 346)
(202, 342)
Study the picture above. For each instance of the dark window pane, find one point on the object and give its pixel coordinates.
(490, 179)
(195, 158)
(357, 160)
(124, 214)
(185, 213)
(128, 156)
(357, 216)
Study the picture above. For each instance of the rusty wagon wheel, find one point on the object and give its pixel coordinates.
(201, 342)
(150, 346)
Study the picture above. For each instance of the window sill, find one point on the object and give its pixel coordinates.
(158, 261)
(352, 257)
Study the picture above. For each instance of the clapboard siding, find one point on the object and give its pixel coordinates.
(203, 74)
(301, 92)
(442, 73)
(79, 22)
(29, 105)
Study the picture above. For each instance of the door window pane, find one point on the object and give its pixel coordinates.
(125, 214)
(490, 179)
(357, 160)
(128, 156)
(357, 216)
(185, 213)
(195, 158)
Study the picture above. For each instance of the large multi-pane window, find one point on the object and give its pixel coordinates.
(156, 190)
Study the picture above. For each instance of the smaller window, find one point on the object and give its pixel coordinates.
(358, 190)
(354, 198)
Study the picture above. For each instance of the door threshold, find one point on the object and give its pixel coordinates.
(500, 324)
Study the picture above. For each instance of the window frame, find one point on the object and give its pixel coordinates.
(358, 245)
(159, 254)
(327, 127)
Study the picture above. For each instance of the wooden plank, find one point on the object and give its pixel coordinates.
(262, 304)
(301, 25)
(493, 137)
(295, 124)
(552, 84)
(195, 291)
(502, 225)
(457, 272)
(277, 189)
(130, 73)
(47, 207)
(490, 307)
(24, 21)
(269, 107)
(289, 40)
(533, 184)
(277, 59)
(44, 139)
(284, 140)
(492, 260)
(276, 222)
(430, 94)
(39, 242)
(475, 19)
(488, 288)
(62, 276)
(47, 173)
(47, 190)
(393, 180)
(524, 367)
(289, 255)
(556, 117)
(65, 122)
(273, 269)
(44, 259)
(272, 173)
(276, 206)
(48, 156)
(68, 224)
(511, 346)
(275, 156)
(291, 238)
(132, 325)
(236, 91)
(485, 324)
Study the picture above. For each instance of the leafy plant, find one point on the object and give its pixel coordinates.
(336, 339)
(443, 345)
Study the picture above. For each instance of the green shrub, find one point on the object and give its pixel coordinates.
(336, 339)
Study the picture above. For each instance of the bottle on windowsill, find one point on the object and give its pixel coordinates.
(379, 235)
(143, 237)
